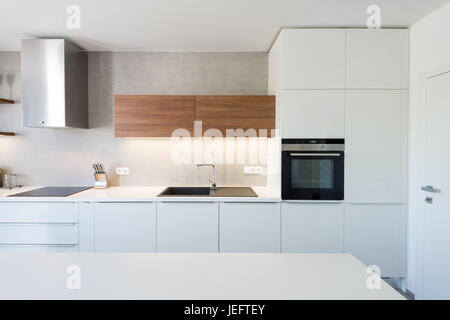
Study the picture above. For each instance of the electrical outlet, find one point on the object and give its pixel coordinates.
(253, 170)
(122, 171)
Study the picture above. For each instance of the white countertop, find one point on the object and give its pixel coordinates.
(189, 277)
(137, 194)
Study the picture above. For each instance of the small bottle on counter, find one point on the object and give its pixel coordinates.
(8, 181)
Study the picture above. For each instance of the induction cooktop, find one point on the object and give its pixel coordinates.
(51, 192)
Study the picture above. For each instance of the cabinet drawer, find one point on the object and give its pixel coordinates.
(39, 248)
(39, 233)
(38, 212)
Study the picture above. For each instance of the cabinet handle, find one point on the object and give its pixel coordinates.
(315, 154)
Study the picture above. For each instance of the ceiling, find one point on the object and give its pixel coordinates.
(192, 25)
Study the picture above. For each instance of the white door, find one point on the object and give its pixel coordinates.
(437, 175)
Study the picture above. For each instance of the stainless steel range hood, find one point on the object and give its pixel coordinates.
(54, 84)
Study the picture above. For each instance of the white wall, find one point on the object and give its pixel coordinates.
(429, 49)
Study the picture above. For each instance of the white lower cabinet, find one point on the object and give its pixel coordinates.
(40, 248)
(125, 227)
(312, 227)
(376, 235)
(38, 212)
(188, 227)
(249, 227)
(39, 227)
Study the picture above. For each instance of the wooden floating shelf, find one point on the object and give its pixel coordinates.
(6, 101)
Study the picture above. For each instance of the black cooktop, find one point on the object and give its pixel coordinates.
(51, 192)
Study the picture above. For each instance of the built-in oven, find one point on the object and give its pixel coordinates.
(312, 169)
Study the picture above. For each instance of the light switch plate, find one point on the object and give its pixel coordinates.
(122, 171)
(253, 170)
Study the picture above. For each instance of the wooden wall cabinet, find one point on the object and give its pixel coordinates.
(160, 115)
(236, 112)
(152, 115)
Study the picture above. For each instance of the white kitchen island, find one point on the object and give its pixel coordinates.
(187, 276)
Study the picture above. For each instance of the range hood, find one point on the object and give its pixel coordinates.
(54, 84)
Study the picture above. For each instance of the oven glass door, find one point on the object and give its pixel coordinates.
(313, 175)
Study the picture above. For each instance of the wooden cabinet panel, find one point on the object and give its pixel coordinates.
(152, 115)
(236, 112)
(160, 115)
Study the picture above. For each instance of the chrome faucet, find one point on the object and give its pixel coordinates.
(213, 181)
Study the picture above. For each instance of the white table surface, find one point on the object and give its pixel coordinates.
(189, 276)
(137, 193)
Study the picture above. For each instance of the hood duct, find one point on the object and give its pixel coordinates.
(54, 84)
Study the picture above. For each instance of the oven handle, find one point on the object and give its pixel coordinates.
(315, 154)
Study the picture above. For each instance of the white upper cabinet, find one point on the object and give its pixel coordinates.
(377, 59)
(313, 58)
(275, 68)
(312, 114)
(339, 59)
(376, 146)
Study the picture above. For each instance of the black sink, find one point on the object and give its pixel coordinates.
(185, 191)
(207, 192)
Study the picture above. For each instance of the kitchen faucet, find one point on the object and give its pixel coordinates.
(213, 181)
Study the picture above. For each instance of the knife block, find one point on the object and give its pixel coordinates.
(101, 181)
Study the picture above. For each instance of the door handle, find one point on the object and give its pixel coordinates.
(430, 189)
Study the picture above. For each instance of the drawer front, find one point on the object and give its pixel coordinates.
(39, 248)
(38, 212)
(39, 234)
